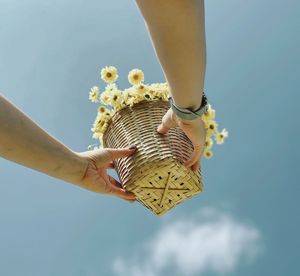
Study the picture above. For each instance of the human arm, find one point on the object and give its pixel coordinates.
(24, 142)
(177, 30)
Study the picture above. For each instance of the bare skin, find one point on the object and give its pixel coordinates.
(177, 31)
(24, 142)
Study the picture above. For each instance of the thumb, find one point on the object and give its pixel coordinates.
(167, 122)
(162, 129)
(122, 193)
(121, 152)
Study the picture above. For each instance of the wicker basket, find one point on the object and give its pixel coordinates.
(155, 172)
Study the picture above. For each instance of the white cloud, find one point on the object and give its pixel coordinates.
(210, 241)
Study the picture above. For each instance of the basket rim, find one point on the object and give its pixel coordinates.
(128, 108)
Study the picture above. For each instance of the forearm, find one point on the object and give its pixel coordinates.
(23, 141)
(177, 30)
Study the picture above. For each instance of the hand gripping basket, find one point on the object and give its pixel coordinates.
(155, 172)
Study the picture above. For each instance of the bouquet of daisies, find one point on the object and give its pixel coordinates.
(112, 99)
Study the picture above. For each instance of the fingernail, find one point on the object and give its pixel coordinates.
(132, 147)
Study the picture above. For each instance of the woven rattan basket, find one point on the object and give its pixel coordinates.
(155, 172)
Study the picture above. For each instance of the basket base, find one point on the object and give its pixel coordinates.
(164, 186)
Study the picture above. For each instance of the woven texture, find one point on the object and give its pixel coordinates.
(155, 172)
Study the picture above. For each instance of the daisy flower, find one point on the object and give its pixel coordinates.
(116, 96)
(135, 76)
(165, 85)
(98, 126)
(102, 109)
(132, 100)
(96, 135)
(134, 93)
(126, 95)
(109, 74)
(105, 116)
(208, 142)
(111, 87)
(220, 136)
(209, 114)
(94, 94)
(152, 93)
(105, 97)
(116, 99)
(99, 123)
(162, 94)
(141, 88)
(155, 85)
(211, 127)
(208, 154)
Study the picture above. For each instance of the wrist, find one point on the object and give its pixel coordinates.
(192, 106)
(189, 122)
(74, 168)
(189, 114)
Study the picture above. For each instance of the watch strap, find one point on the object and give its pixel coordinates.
(186, 113)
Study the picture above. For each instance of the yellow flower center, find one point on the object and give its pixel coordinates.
(136, 77)
(101, 109)
(211, 126)
(108, 74)
(115, 97)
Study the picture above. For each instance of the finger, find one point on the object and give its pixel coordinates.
(195, 156)
(130, 200)
(162, 128)
(195, 166)
(122, 193)
(167, 122)
(115, 188)
(115, 182)
(121, 152)
(111, 165)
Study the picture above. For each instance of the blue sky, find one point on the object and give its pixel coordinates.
(246, 222)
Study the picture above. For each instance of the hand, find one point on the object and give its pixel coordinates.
(194, 130)
(96, 178)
